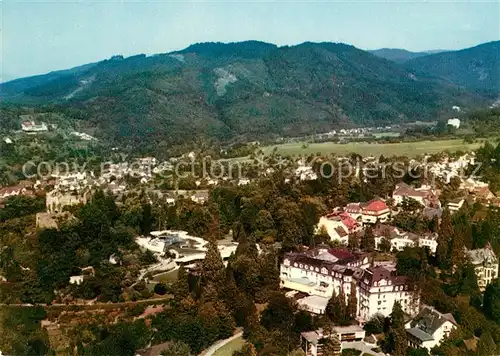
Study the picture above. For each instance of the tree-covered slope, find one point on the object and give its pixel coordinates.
(476, 68)
(397, 55)
(251, 89)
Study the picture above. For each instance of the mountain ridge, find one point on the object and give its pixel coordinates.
(474, 68)
(246, 89)
(400, 55)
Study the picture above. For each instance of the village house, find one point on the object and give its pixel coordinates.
(428, 328)
(304, 172)
(454, 122)
(200, 196)
(423, 195)
(243, 181)
(400, 239)
(338, 225)
(311, 341)
(448, 168)
(454, 205)
(485, 264)
(86, 272)
(22, 188)
(371, 212)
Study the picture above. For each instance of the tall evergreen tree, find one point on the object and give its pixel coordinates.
(486, 345)
(444, 237)
(368, 240)
(353, 241)
(457, 254)
(331, 345)
(181, 286)
(269, 275)
(343, 306)
(212, 267)
(491, 305)
(397, 332)
(332, 309)
(335, 308)
(176, 348)
(147, 219)
(246, 245)
(352, 303)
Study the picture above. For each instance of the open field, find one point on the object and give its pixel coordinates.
(410, 149)
(230, 347)
(168, 277)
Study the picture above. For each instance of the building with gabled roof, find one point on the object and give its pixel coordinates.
(320, 272)
(423, 195)
(338, 226)
(380, 287)
(400, 239)
(429, 327)
(485, 264)
(370, 212)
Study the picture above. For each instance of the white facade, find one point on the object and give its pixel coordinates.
(31, 126)
(379, 290)
(455, 205)
(400, 239)
(454, 122)
(429, 328)
(370, 212)
(76, 279)
(318, 281)
(423, 195)
(320, 277)
(485, 264)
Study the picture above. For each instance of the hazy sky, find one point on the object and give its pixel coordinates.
(40, 36)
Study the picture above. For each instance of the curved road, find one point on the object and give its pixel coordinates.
(211, 350)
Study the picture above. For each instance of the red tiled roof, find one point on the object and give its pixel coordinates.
(375, 205)
(348, 221)
(340, 253)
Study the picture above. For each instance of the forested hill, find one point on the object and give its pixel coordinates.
(476, 68)
(248, 89)
(397, 55)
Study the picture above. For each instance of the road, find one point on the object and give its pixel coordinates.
(211, 350)
(90, 306)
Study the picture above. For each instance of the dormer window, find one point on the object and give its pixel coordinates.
(295, 264)
(317, 269)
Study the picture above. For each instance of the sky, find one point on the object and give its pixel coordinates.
(41, 36)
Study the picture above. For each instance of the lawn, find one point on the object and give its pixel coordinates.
(167, 277)
(229, 348)
(410, 149)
